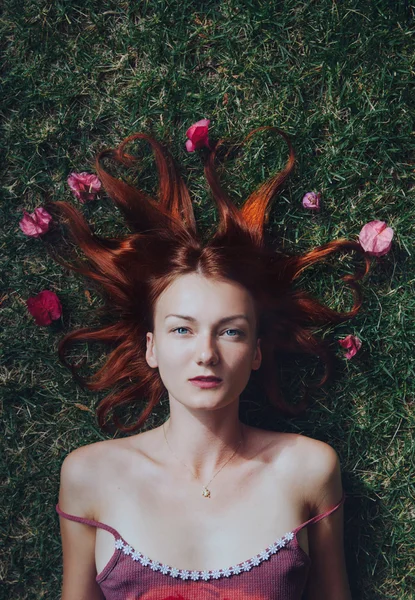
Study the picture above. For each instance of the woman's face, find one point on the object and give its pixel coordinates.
(204, 327)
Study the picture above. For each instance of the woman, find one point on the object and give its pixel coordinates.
(203, 506)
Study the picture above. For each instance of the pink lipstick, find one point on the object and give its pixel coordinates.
(206, 382)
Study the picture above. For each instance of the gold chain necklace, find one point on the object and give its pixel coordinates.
(205, 491)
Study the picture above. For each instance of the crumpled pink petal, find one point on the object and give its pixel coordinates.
(352, 343)
(36, 223)
(376, 238)
(312, 200)
(45, 307)
(84, 185)
(198, 135)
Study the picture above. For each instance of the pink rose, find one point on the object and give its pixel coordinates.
(198, 135)
(352, 344)
(376, 238)
(44, 307)
(84, 185)
(35, 224)
(312, 200)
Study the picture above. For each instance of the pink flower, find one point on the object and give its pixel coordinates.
(198, 135)
(84, 185)
(312, 200)
(35, 224)
(376, 238)
(44, 307)
(352, 344)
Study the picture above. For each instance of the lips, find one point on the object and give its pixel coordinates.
(210, 378)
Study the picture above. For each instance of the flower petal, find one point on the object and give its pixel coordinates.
(189, 146)
(352, 343)
(312, 200)
(198, 135)
(84, 185)
(376, 238)
(35, 224)
(45, 307)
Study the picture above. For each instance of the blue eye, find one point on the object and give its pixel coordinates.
(239, 333)
(180, 328)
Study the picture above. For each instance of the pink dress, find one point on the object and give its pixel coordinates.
(279, 572)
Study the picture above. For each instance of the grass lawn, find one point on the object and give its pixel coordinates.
(81, 76)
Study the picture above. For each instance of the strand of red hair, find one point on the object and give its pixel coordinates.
(131, 271)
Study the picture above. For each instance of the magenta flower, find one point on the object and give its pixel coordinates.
(198, 135)
(44, 307)
(352, 344)
(35, 224)
(376, 238)
(312, 200)
(84, 186)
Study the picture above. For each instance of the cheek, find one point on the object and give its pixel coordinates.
(238, 360)
(173, 354)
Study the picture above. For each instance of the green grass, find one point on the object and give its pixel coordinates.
(78, 77)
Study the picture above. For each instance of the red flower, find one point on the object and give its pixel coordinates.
(44, 307)
(198, 135)
(352, 344)
(84, 185)
(376, 238)
(35, 224)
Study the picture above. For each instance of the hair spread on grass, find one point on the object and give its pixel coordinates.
(133, 270)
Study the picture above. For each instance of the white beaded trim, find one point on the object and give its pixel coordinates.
(205, 575)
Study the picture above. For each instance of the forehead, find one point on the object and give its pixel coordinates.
(202, 297)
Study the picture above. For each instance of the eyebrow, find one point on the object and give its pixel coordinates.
(224, 320)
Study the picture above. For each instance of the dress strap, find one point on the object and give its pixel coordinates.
(321, 515)
(87, 521)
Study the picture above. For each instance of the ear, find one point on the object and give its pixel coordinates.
(151, 356)
(258, 356)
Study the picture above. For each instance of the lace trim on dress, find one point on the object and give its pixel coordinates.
(205, 575)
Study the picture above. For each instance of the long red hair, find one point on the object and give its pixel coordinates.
(132, 271)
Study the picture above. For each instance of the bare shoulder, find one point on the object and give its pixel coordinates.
(315, 465)
(320, 469)
(80, 475)
(78, 494)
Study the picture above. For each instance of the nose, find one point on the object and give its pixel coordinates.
(206, 352)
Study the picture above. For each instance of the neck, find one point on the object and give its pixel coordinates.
(204, 445)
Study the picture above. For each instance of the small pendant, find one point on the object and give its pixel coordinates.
(206, 493)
